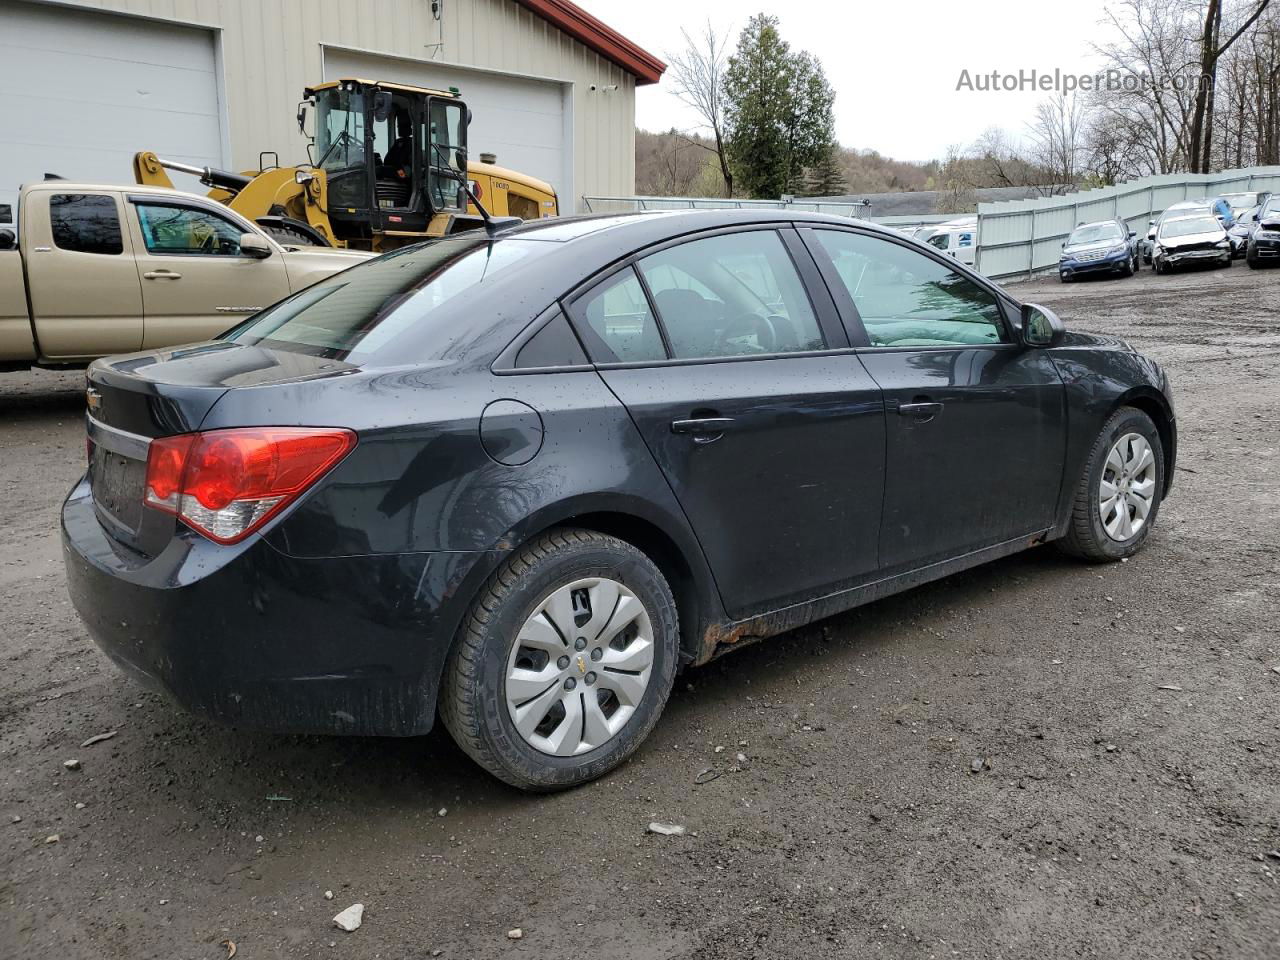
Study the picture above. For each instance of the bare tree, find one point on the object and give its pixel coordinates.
(669, 164)
(1057, 138)
(697, 79)
(1212, 48)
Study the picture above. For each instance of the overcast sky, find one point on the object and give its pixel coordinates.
(894, 66)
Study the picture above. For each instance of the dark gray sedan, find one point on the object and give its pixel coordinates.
(524, 478)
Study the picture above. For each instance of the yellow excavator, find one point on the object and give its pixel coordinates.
(388, 167)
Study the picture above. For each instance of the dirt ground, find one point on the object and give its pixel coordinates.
(1125, 720)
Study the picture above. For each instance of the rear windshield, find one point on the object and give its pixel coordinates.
(1185, 228)
(1093, 232)
(370, 307)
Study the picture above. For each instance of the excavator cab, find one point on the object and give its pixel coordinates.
(394, 157)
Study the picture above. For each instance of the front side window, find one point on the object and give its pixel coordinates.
(617, 313)
(939, 240)
(186, 230)
(85, 223)
(907, 299)
(731, 295)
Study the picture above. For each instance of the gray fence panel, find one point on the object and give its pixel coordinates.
(1024, 237)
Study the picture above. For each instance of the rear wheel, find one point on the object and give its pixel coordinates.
(1118, 496)
(564, 662)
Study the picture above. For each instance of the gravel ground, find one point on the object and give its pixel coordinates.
(1124, 719)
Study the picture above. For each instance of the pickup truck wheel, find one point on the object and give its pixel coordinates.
(564, 662)
(1118, 496)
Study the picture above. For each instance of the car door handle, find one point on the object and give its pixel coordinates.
(702, 426)
(920, 410)
(162, 275)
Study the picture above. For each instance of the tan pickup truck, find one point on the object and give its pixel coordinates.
(97, 270)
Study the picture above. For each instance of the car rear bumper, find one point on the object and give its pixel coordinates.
(248, 635)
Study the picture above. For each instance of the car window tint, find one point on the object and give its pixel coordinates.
(731, 295)
(553, 346)
(906, 299)
(184, 230)
(85, 223)
(617, 311)
(411, 302)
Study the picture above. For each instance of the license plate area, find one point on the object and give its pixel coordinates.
(117, 484)
(117, 477)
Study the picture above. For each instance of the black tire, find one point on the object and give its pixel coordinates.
(1253, 263)
(473, 702)
(1228, 262)
(1064, 278)
(1128, 270)
(1086, 538)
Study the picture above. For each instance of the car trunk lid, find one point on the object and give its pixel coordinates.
(138, 398)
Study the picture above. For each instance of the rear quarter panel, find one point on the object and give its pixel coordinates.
(420, 479)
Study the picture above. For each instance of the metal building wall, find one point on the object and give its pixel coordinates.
(270, 49)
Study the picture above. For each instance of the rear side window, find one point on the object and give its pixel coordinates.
(85, 223)
(731, 295)
(617, 313)
(555, 345)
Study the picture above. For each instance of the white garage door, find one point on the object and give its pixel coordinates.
(519, 119)
(83, 92)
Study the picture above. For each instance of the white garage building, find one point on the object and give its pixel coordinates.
(215, 82)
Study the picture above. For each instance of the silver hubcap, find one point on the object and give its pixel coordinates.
(579, 667)
(1128, 487)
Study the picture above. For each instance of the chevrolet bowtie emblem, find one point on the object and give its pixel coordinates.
(93, 399)
(582, 664)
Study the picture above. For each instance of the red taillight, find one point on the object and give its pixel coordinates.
(227, 483)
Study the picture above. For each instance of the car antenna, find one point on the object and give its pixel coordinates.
(492, 224)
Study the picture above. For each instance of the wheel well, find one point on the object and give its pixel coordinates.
(1154, 409)
(654, 543)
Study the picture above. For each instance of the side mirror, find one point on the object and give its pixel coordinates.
(302, 120)
(1132, 234)
(1040, 326)
(8, 240)
(253, 245)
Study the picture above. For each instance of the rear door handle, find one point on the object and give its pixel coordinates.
(162, 275)
(922, 410)
(702, 426)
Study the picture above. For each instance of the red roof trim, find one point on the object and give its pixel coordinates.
(603, 39)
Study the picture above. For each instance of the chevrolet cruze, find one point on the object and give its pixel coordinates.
(520, 479)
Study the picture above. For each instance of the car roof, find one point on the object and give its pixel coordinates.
(74, 186)
(640, 225)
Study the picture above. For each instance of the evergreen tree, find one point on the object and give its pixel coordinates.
(826, 177)
(778, 111)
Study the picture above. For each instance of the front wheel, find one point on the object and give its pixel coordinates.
(564, 662)
(1118, 496)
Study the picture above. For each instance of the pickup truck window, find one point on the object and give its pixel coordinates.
(85, 223)
(187, 230)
